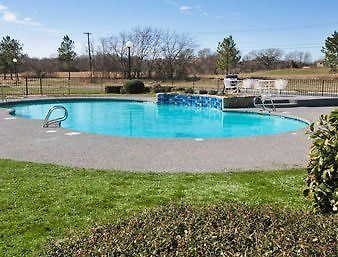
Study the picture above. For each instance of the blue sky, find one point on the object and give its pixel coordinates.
(255, 24)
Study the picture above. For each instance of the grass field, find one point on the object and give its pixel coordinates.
(41, 201)
(312, 73)
(309, 73)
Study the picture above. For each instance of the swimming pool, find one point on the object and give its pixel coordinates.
(149, 120)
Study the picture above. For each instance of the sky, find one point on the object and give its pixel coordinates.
(289, 25)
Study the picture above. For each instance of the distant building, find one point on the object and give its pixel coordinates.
(320, 64)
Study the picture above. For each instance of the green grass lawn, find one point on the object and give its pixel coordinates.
(39, 201)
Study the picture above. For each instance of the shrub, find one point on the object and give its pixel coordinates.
(134, 86)
(203, 92)
(212, 92)
(167, 88)
(157, 88)
(122, 91)
(230, 230)
(164, 89)
(180, 89)
(322, 179)
(189, 91)
(113, 89)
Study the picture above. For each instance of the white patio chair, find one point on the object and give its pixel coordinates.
(280, 84)
(257, 86)
(247, 83)
(229, 86)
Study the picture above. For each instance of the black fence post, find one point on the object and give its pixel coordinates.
(40, 85)
(102, 81)
(68, 86)
(323, 83)
(26, 84)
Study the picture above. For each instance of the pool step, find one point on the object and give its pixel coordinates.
(284, 102)
(285, 105)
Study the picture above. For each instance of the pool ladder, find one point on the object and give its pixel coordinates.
(263, 102)
(57, 121)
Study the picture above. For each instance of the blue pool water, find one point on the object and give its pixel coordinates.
(149, 120)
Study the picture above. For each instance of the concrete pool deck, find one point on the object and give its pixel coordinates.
(26, 140)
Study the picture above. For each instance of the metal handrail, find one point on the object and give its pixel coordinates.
(55, 122)
(262, 105)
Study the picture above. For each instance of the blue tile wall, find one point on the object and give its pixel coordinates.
(190, 100)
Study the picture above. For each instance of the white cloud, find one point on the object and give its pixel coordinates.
(193, 10)
(8, 16)
(185, 9)
(2, 7)
(196, 10)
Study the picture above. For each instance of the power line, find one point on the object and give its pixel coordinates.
(298, 46)
(302, 44)
(270, 29)
(283, 48)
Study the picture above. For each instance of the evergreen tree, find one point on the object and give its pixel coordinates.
(66, 52)
(228, 55)
(9, 49)
(331, 52)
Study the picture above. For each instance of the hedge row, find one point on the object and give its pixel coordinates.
(229, 230)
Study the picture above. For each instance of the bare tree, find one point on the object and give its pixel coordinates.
(40, 67)
(174, 48)
(298, 58)
(105, 61)
(268, 57)
(205, 62)
(142, 39)
(115, 48)
(154, 50)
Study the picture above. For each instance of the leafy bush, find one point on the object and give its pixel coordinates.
(157, 88)
(113, 89)
(180, 89)
(123, 91)
(134, 86)
(230, 230)
(189, 91)
(322, 179)
(203, 92)
(212, 92)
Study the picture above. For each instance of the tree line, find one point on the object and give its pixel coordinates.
(158, 54)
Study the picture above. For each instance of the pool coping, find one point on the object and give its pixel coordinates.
(24, 139)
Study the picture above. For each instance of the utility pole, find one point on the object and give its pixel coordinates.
(89, 54)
